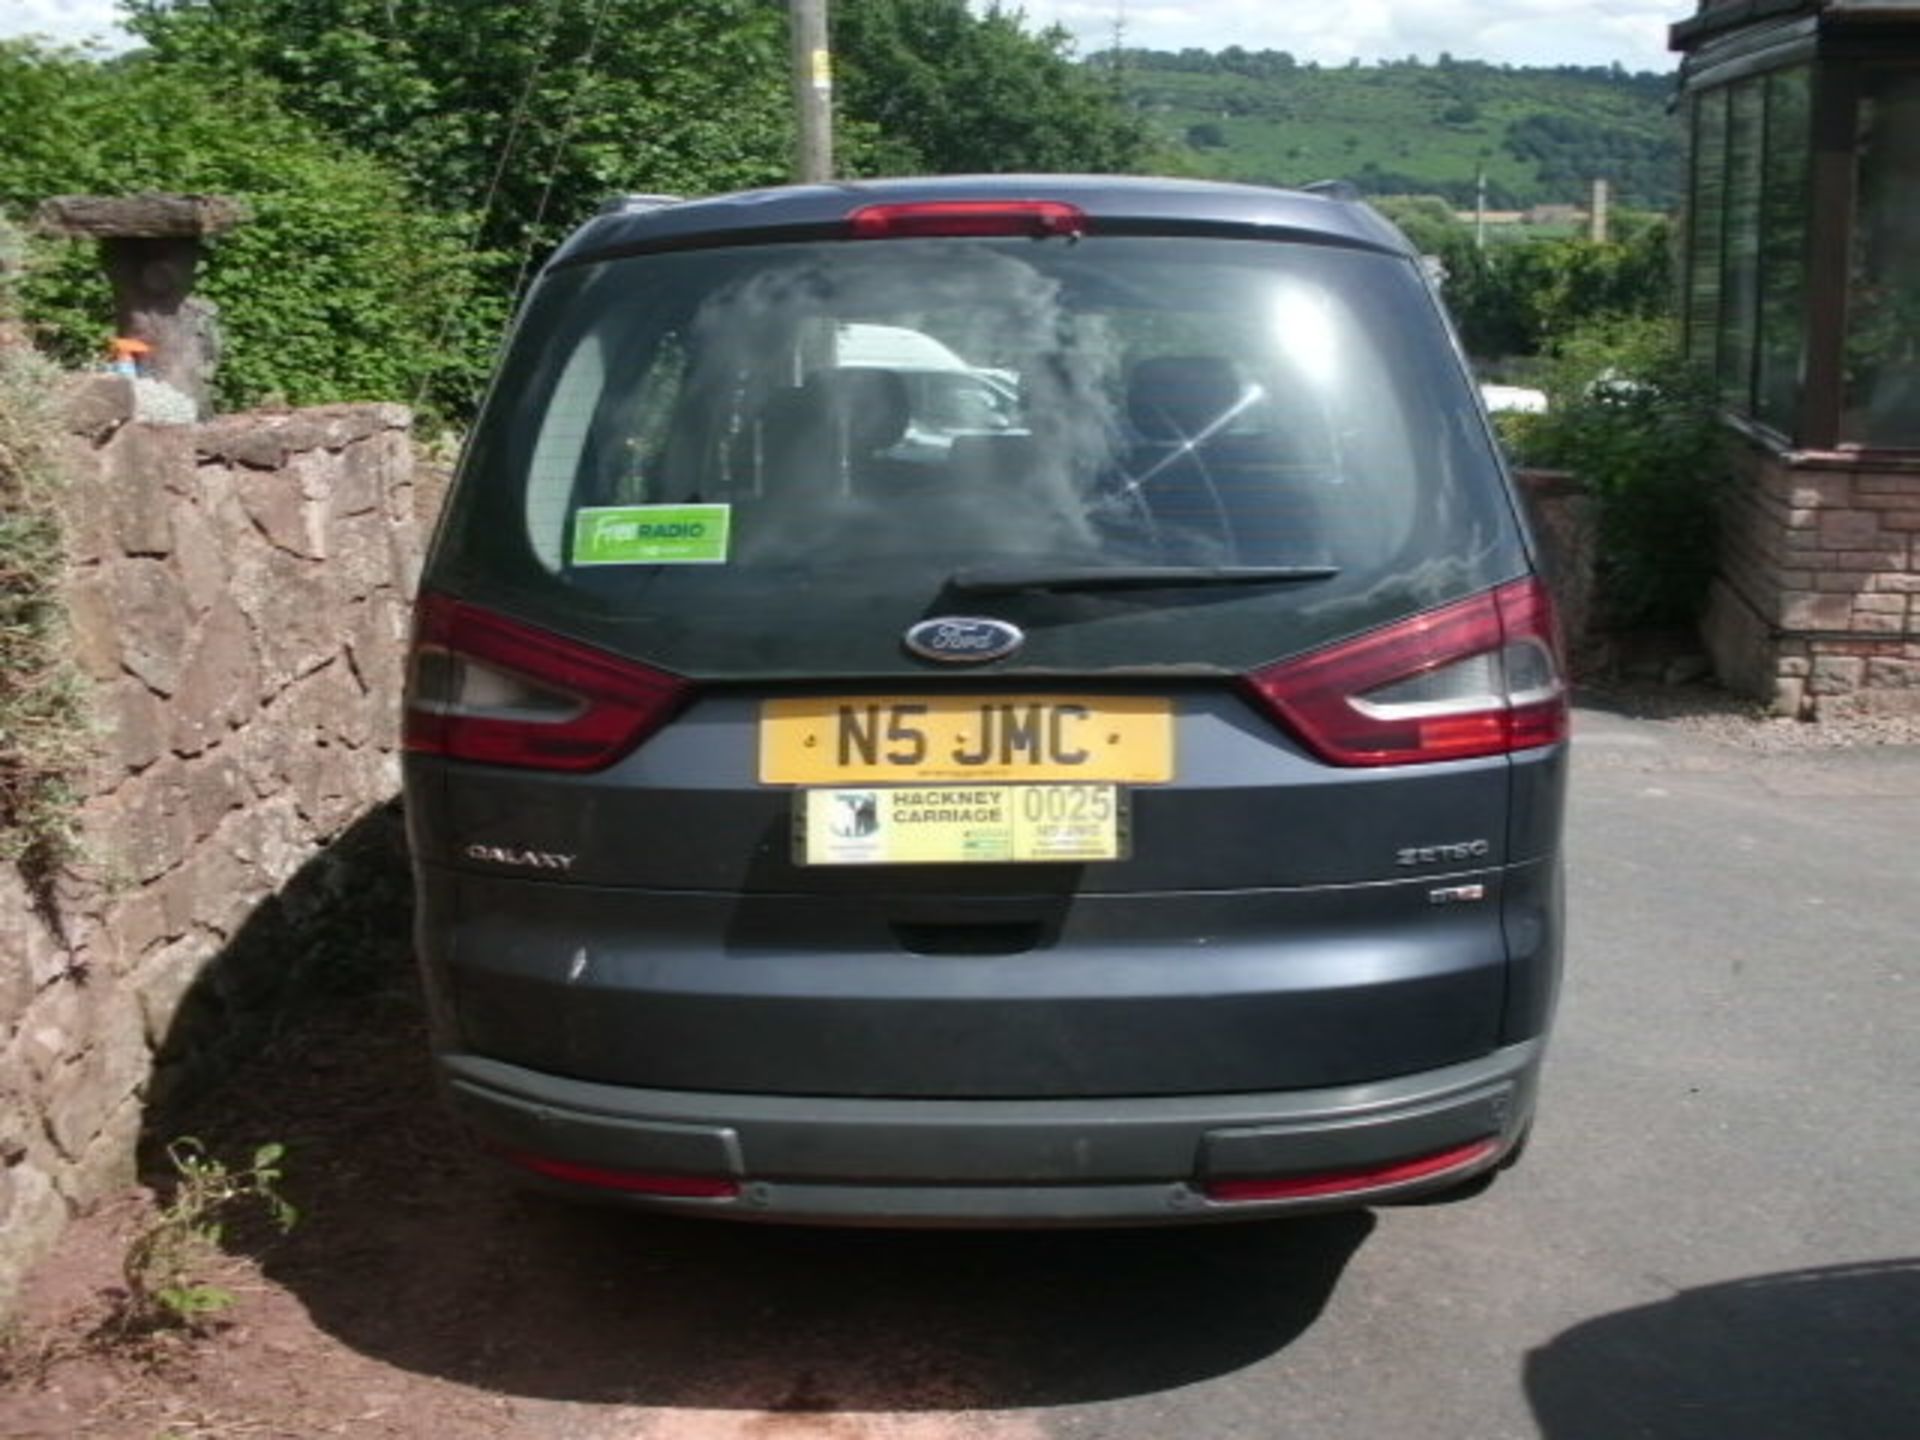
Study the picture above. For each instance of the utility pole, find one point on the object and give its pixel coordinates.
(1480, 208)
(812, 92)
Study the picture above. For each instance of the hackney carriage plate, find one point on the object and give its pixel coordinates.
(960, 824)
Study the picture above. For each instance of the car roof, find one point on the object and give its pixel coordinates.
(1114, 203)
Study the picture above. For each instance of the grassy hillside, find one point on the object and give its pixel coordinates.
(1406, 127)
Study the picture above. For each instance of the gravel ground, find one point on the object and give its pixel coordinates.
(1706, 711)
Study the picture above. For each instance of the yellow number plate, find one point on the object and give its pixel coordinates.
(978, 739)
(960, 824)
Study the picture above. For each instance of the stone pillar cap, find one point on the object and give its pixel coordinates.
(152, 215)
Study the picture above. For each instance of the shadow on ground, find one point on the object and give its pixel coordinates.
(1829, 1353)
(416, 1252)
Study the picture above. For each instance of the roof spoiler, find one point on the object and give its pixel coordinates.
(636, 204)
(1333, 190)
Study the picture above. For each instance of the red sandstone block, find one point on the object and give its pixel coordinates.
(1881, 604)
(1848, 529)
(1885, 502)
(1836, 676)
(1808, 491)
(1887, 484)
(1886, 558)
(1859, 649)
(1816, 612)
(1893, 674)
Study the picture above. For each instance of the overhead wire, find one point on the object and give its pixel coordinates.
(515, 123)
(568, 119)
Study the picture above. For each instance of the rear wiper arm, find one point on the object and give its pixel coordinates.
(1008, 579)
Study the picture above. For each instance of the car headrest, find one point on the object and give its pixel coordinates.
(869, 404)
(1176, 397)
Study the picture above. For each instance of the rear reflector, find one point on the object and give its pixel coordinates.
(1483, 676)
(1342, 1182)
(485, 688)
(632, 1182)
(1038, 218)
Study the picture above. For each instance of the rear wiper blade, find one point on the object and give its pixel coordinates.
(1007, 579)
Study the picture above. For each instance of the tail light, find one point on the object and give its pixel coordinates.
(1346, 1182)
(632, 1182)
(482, 687)
(1481, 677)
(1039, 218)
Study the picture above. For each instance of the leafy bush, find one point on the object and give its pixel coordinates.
(1514, 299)
(529, 116)
(1515, 296)
(1427, 221)
(543, 110)
(339, 288)
(1640, 427)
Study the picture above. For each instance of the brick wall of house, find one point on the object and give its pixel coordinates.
(1817, 605)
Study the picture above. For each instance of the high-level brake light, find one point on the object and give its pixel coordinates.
(921, 219)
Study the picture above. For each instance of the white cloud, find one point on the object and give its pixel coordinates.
(67, 22)
(1518, 32)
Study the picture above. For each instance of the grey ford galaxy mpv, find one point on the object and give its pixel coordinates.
(987, 701)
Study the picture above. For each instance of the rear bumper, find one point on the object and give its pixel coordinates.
(1002, 1162)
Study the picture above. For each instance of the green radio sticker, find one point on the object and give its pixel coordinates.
(652, 535)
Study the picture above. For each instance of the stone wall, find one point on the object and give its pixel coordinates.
(238, 597)
(1817, 604)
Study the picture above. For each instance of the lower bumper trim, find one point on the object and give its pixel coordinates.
(837, 1160)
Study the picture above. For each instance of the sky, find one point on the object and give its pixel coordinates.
(1519, 32)
(65, 20)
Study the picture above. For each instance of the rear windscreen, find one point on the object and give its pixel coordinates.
(768, 460)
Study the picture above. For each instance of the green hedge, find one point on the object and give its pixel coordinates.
(339, 288)
(1632, 419)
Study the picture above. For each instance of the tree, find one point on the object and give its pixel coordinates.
(947, 91)
(532, 114)
(1426, 220)
(338, 288)
(528, 114)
